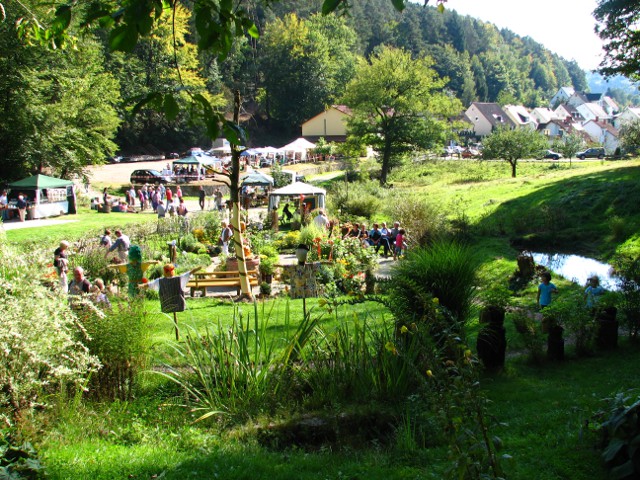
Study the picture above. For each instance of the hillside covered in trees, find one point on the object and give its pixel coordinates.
(301, 62)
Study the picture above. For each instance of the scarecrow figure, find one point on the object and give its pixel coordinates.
(171, 291)
(134, 269)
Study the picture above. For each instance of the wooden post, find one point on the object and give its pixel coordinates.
(175, 322)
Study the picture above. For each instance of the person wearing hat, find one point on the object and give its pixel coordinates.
(61, 263)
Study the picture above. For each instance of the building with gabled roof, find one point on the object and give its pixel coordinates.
(603, 133)
(561, 96)
(628, 115)
(486, 117)
(330, 124)
(521, 116)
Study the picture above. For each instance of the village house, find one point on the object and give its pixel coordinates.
(485, 117)
(520, 116)
(330, 124)
(603, 134)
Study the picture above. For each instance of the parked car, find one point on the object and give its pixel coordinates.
(597, 152)
(265, 162)
(149, 176)
(551, 154)
(470, 153)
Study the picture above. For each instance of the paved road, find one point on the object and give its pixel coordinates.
(45, 222)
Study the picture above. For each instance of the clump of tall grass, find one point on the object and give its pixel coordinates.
(423, 222)
(444, 271)
(118, 336)
(237, 370)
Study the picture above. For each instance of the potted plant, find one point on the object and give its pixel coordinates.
(268, 267)
(492, 342)
(494, 303)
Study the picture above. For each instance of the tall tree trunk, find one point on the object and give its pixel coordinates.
(386, 160)
(234, 189)
(513, 163)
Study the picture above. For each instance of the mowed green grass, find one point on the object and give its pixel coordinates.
(547, 411)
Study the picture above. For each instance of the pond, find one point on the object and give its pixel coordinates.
(578, 269)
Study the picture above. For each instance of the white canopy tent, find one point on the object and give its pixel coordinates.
(299, 146)
(298, 189)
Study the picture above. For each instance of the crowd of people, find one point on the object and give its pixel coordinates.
(160, 199)
(79, 284)
(393, 240)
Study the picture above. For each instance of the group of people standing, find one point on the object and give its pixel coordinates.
(79, 284)
(21, 206)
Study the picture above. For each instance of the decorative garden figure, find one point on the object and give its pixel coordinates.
(134, 269)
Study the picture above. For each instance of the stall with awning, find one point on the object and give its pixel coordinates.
(46, 196)
(298, 149)
(198, 161)
(309, 194)
(257, 178)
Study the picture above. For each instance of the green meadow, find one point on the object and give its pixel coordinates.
(542, 416)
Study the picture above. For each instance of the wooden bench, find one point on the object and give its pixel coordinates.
(223, 278)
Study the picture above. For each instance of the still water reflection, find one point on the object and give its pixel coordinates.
(578, 269)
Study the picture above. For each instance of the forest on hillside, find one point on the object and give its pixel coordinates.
(63, 109)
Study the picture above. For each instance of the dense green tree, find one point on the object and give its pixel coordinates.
(618, 28)
(456, 67)
(578, 78)
(58, 107)
(163, 61)
(513, 145)
(630, 136)
(398, 105)
(480, 79)
(305, 65)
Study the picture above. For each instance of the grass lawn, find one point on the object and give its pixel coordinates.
(544, 414)
(86, 222)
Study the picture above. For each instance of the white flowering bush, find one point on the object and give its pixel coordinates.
(41, 342)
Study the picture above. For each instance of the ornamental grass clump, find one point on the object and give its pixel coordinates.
(445, 271)
(118, 336)
(239, 370)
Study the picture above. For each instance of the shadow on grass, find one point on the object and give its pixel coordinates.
(589, 214)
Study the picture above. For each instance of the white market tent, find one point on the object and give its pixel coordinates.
(299, 146)
(298, 189)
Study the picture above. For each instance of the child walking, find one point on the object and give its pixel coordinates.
(400, 245)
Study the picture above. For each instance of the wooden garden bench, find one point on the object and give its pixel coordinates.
(223, 278)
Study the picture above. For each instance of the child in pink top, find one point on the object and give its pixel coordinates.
(401, 245)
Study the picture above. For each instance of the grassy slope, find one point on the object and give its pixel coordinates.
(569, 209)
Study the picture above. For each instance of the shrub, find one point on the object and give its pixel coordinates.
(356, 200)
(309, 233)
(445, 270)
(40, 342)
(620, 432)
(423, 222)
(118, 337)
(288, 241)
(570, 312)
(629, 270)
(530, 332)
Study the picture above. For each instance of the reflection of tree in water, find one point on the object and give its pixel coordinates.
(578, 269)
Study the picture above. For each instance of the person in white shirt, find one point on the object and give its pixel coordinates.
(321, 220)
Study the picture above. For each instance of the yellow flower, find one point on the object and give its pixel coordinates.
(436, 301)
(391, 348)
(404, 330)
(429, 373)
(467, 353)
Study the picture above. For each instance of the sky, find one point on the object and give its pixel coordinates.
(563, 26)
